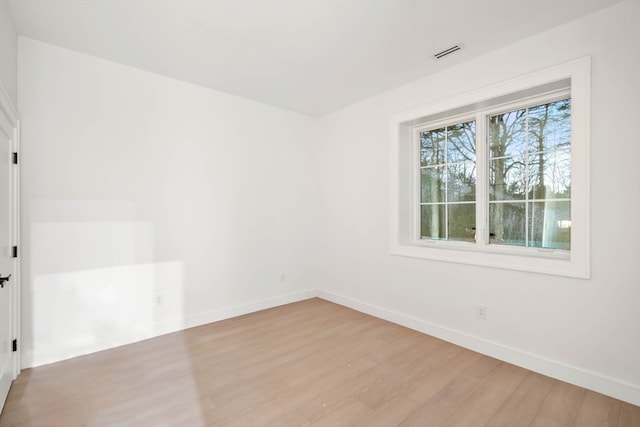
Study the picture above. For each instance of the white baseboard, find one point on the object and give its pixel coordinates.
(611, 387)
(32, 358)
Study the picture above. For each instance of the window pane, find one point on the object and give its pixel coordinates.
(507, 134)
(432, 222)
(550, 175)
(432, 185)
(432, 146)
(550, 225)
(461, 142)
(461, 182)
(448, 176)
(550, 126)
(507, 223)
(507, 178)
(462, 222)
(541, 136)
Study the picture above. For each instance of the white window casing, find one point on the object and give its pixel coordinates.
(566, 80)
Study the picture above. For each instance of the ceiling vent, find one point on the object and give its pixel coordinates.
(448, 51)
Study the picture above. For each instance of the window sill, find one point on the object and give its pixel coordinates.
(554, 262)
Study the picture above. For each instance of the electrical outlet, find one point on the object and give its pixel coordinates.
(482, 312)
(159, 300)
(282, 278)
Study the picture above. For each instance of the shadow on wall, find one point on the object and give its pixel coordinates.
(92, 284)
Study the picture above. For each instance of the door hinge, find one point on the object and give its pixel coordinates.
(15, 345)
(15, 158)
(14, 252)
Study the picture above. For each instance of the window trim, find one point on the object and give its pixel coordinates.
(403, 126)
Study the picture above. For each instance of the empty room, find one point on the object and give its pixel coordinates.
(319, 212)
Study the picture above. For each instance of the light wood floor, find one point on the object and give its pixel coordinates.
(309, 363)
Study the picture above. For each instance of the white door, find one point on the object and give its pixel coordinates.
(6, 261)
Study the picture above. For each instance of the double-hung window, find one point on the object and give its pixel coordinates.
(498, 177)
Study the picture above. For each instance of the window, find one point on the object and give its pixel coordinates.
(448, 182)
(530, 176)
(498, 177)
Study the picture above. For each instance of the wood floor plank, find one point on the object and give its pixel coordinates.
(284, 405)
(597, 410)
(391, 413)
(340, 394)
(436, 380)
(522, 406)
(441, 406)
(345, 415)
(308, 363)
(493, 392)
(431, 355)
(629, 415)
(560, 407)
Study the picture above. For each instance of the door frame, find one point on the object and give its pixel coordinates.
(10, 119)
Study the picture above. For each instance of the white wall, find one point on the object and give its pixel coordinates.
(8, 52)
(583, 331)
(136, 186)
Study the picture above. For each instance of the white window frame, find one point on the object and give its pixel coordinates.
(555, 83)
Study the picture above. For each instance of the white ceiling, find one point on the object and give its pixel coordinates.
(310, 56)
